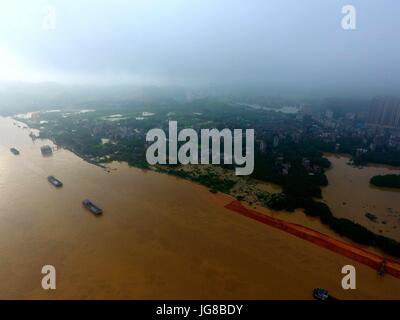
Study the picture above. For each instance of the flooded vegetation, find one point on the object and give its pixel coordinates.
(350, 195)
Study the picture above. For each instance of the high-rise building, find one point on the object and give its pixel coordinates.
(385, 112)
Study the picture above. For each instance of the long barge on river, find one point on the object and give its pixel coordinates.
(92, 207)
(55, 182)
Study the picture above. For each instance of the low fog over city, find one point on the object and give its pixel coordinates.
(270, 47)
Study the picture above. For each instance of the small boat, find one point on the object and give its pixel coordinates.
(92, 207)
(46, 150)
(14, 151)
(321, 294)
(55, 182)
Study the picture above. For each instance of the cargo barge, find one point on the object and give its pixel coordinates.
(92, 207)
(55, 182)
(14, 151)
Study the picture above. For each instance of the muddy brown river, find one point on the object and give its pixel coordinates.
(159, 237)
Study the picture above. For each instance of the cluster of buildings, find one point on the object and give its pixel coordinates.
(385, 112)
(377, 128)
(281, 166)
(361, 131)
(311, 168)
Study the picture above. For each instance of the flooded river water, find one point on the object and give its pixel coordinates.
(159, 237)
(350, 195)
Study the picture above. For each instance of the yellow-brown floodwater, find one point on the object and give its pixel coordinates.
(159, 237)
(351, 196)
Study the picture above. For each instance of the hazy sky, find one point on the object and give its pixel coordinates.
(287, 43)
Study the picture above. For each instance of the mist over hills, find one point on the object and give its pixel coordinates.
(17, 97)
(113, 52)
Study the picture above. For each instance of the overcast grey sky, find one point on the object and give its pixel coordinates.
(281, 43)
